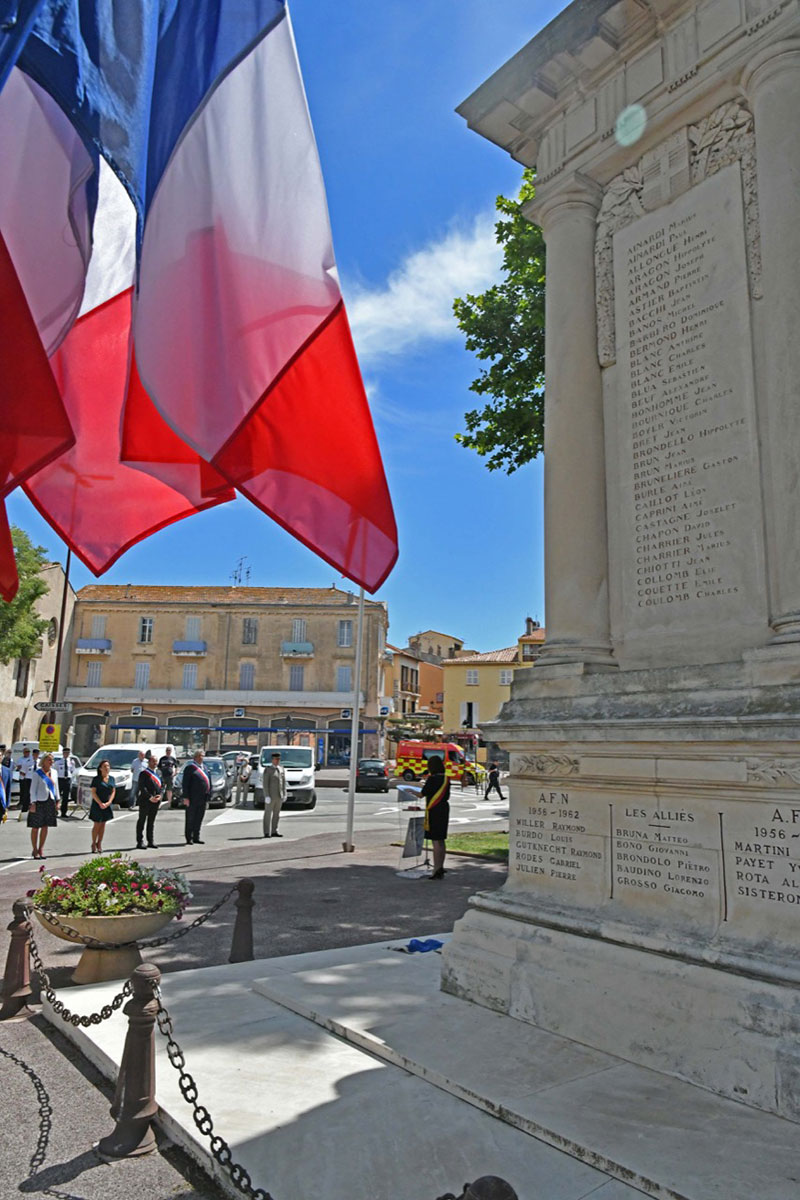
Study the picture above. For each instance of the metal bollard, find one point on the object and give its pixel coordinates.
(488, 1187)
(17, 989)
(134, 1104)
(242, 944)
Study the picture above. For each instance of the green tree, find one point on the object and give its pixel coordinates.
(505, 325)
(20, 626)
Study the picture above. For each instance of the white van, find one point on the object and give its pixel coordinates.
(300, 775)
(121, 756)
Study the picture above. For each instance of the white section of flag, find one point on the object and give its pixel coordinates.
(43, 212)
(237, 267)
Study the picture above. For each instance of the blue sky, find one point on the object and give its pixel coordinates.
(411, 194)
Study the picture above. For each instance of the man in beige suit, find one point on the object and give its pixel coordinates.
(274, 795)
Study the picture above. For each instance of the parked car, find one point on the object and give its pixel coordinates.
(120, 755)
(220, 783)
(300, 775)
(372, 775)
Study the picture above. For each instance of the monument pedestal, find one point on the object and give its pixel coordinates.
(653, 898)
(653, 901)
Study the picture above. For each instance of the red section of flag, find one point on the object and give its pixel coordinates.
(98, 505)
(308, 456)
(35, 426)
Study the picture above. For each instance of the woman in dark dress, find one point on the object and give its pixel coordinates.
(103, 792)
(436, 791)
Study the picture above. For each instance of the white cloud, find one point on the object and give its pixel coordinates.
(416, 303)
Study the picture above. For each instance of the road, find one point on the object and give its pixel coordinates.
(230, 828)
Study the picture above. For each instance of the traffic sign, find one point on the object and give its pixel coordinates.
(45, 706)
(384, 710)
(49, 737)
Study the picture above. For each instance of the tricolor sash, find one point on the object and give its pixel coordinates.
(203, 775)
(51, 787)
(435, 799)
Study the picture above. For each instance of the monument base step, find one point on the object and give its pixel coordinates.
(350, 1074)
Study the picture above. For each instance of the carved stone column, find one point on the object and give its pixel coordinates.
(576, 551)
(772, 82)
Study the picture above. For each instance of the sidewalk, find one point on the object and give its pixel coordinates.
(309, 896)
(350, 1075)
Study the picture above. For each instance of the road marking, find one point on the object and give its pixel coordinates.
(8, 866)
(232, 816)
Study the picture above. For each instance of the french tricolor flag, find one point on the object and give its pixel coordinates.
(167, 273)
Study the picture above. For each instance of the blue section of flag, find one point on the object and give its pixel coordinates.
(131, 74)
(16, 21)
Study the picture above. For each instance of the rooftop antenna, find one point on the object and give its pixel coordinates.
(239, 571)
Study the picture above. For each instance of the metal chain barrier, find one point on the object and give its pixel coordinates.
(94, 944)
(220, 1150)
(61, 1009)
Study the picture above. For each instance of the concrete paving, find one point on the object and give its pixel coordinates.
(349, 1074)
(308, 1114)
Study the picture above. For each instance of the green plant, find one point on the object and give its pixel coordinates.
(111, 886)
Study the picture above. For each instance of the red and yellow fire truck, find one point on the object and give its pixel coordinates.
(412, 760)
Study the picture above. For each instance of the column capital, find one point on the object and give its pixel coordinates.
(575, 192)
(770, 62)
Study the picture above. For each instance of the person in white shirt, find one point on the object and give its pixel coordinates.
(65, 770)
(136, 769)
(42, 809)
(243, 773)
(24, 770)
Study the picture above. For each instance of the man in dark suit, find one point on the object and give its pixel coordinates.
(196, 792)
(148, 796)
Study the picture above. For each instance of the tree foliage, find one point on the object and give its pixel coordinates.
(505, 326)
(20, 626)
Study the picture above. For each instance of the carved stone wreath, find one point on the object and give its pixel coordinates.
(783, 772)
(724, 137)
(545, 764)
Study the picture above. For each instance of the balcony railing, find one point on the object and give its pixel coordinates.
(93, 646)
(189, 649)
(297, 649)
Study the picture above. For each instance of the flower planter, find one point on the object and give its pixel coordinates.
(97, 966)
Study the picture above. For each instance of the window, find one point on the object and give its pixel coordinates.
(529, 650)
(52, 632)
(298, 629)
(145, 629)
(344, 679)
(142, 676)
(472, 678)
(190, 675)
(193, 629)
(247, 677)
(23, 673)
(98, 627)
(94, 674)
(506, 676)
(296, 671)
(345, 637)
(249, 631)
(409, 679)
(469, 714)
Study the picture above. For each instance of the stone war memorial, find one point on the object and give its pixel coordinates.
(652, 908)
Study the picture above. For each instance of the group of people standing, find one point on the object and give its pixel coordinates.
(153, 780)
(45, 786)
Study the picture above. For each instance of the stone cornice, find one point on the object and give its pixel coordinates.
(556, 102)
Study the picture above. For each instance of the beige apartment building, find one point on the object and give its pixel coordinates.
(224, 667)
(476, 686)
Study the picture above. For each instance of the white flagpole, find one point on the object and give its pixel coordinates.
(351, 786)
